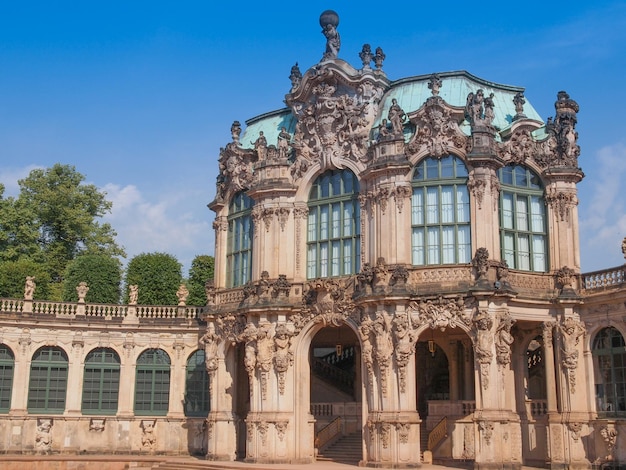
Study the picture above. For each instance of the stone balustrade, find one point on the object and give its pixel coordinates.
(607, 278)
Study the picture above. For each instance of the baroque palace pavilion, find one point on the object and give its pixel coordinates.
(396, 261)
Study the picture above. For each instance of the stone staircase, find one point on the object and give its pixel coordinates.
(347, 449)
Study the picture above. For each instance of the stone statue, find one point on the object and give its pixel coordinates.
(474, 107)
(29, 288)
(133, 294)
(396, 117)
(329, 20)
(504, 339)
(480, 262)
(483, 345)
(260, 145)
(365, 331)
(265, 347)
(434, 84)
(295, 76)
(519, 102)
(235, 130)
(571, 331)
(210, 340)
(624, 247)
(283, 143)
(209, 291)
(148, 437)
(489, 113)
(82, 289)
(182, 293)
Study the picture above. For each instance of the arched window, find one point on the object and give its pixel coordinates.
(334, 228)
(440, 213)
(48, 381)
(523, 232)
(7, 363)
(197, 386)
(609, 354)
(101, 382)
(239, 251)
(152, 384)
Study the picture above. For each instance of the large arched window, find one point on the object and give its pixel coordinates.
(239, 250)
(440, 214)
(7, 363)
(197, 386)
(48, 381)
(334, 226)
(609, 354)
(152, 383)
(523, 232)
(101, 382)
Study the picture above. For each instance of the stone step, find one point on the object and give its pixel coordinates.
(346, 449)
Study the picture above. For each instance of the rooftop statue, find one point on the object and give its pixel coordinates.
(329, 20)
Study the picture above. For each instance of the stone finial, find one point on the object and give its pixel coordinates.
(366, 56)
(379, 58)
(29, 287)
(434, 84)
(295, 76)
(329, 20)
(210, 292)
(182, 293)
(82, 289)
(519, 102)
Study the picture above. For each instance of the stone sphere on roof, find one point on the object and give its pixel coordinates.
(329, 17)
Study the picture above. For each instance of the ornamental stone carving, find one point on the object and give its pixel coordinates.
(43, 436)
(504, 340)
(624, 247)
(477, 188)
(283, 356)
(486, 428)
(29, 287)
(562, 129)
(478, 109)
(325, 301)
(182, 293)
(561, 202)
(295, 76)
(570, 332)
(329, 20)
(483, 343)
(210, 340)
(281, 287)
(609, 436)
(519, 102)
(148, 436)
(235, 164)
(96, 424)
(575, 429)
(404, 336)
(520, 148)
(81, 289)
(480, 262)
(367, 348)
(564, 278)
(437, 129)
(439, 313)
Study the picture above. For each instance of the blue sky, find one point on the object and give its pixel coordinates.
(140, 95)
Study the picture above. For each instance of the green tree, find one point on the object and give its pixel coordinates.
(102, 273)
(53, 220)
(13, 277)
(158, 276)
(201, 270)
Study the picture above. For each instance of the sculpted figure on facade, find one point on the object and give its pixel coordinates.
(283, 356)
(489, 112)
(43, 437)
(396, 117)
(210, 292)
(265, 353)
(284, 138)
(474, 107)
(383, 346)
(295, 76)
(133, 294)
(365, 278)
(260, 145)
(29, 288)
(609, 436)
(148, 436)
(210, 340)
(504, 339)
(562, 148)
(235, 131)
(570, 332)
(483, 344)
(480, 262)
(519, 102)
(365, 332)
(329, 20)
(434, 84)
(405, 337)
(520, 148)
(624, 247)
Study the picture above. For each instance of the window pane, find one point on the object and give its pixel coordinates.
(521, 208)
(462, 205)
(448, 245)
(417, 209)
(418, 246)
(447, 205)
(433, 246)
(432, 205)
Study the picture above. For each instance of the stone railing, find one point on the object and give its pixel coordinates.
(538, 407)
(607, 278)
(438, 434)
(329, 433)
(451, 408)
(106, 311)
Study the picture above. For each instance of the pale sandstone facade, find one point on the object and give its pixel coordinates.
(515, 349)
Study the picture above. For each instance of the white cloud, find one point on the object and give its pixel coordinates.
(164, 225)
(9, 176)
(603, 219)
